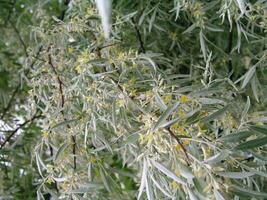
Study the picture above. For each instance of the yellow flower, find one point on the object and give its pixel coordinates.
(142, 138)
(93, 159)
(78, 69)
(121, 56)
(167, 98)
(89, 99)
(84, 57)
(173, 36)
(174, 185)
(178, 147)
(177, 172)
(149, 94)
(133, 93)
(206, 152)
(186, 142)
(183, 99)
(45, 134)
(70, 50)
(49, 180)
(178, 129)
(120, 103)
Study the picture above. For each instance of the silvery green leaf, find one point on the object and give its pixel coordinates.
(168, 173)
(192, 196)
(248, 76)
(159, 101)
(247, 192)
(149, 191)
(190, 29)
(255, 87)
(169, 123)
(165, 115)
(246, 108)
(258, 129)
(236, 175)
(202, 45)
(104, 178)
(217, 158)
(160, 187)
(236, 137)
(87, 188)
(252, 144)
(186, 172)
(61, 149)
(209, 101)
(241, 5)
(216, 114)
(143, 180)
(218, 195)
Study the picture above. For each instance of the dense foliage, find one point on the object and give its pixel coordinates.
(171, 106)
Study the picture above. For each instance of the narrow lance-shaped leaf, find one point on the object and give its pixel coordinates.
(168, 173)
(248, 76)
(165, 115)
(252, 144)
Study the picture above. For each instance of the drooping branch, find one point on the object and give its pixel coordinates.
(16, 90)
(20, 38)
(229, 49)
(179, 142)
(62, 102)
(139, 38)
(13, 132)
(62, 14)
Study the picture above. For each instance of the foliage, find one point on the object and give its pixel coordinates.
(172, 106)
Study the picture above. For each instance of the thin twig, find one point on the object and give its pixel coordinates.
(180, 143)
(52, 154)
(62, 14)
(14, 93)
(139, 38)
(17, 129)
(60, 83)
(20, 38)
(229, 49)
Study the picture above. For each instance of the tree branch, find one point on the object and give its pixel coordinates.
(62, 14)
(139, 38)
(62, 102)
(13, 132)
(5, 110)
(229, 49)
(179, 142)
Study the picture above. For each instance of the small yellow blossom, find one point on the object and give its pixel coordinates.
(174, 185)
(177, 172)
(183, 99)
(149, 94)
(78, 69)
(186, 142)
(89, 99)
(167, 98)
(133, 93)
(178, 129)
(45, 134)
(178, 147)
(121, 56)
(89, 12)
(206, 152)
(84, 57)
(49, 180)
(173, 36)
(93, 159)
(70, 50)
(120, 103)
